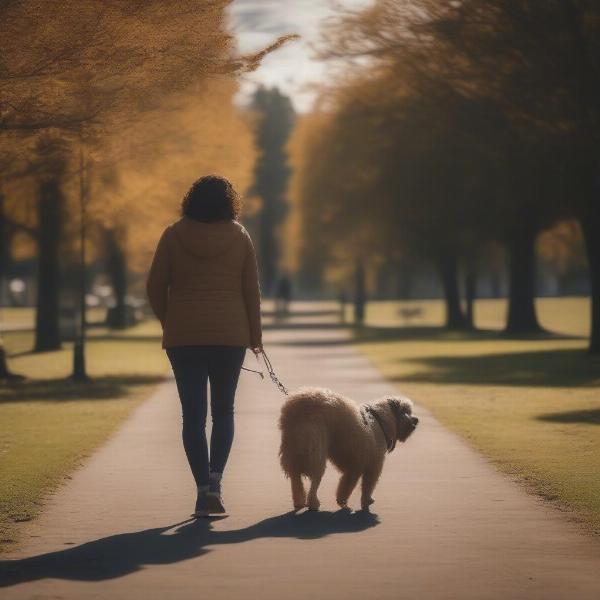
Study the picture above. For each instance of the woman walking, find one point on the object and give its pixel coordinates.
(203, 287)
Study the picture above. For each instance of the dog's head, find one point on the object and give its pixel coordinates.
(395, 416)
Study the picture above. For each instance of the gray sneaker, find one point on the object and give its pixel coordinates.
(215, 500)
(215, 504)
(202, 507)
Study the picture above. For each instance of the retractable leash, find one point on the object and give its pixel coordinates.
(271, 372)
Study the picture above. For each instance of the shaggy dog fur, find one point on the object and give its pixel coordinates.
(317, 424)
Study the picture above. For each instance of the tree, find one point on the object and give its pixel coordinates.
(5, 372)
(392, 167)
(50, 217)
(505, 95)
(541, 61)
(308, 247)
(90, 71)
(86, 60)
(404, 155)
(275, 117)
(141, 177)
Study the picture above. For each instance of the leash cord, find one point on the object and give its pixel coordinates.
(262, 375)
(271, 372)
(272, 375)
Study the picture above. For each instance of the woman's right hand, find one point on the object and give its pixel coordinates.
(257, 349)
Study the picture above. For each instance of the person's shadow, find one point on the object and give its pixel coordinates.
(121, 554)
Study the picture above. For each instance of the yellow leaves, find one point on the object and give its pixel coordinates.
(145, 88)
(90, 63)
(563, 246)
(202, 134)
(23, 246)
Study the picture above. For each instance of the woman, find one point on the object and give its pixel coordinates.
(203, 287)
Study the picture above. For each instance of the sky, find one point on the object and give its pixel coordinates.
(294, 67)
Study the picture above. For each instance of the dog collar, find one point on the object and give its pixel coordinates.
(390, 443)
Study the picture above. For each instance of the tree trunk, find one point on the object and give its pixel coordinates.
(49, 207)
(591, 233)
(495, 283)
(117, 272)
(470, 293)
(385, 274)
(522, 317)
(268, 254)
(360, 294)
(448, 268)
(405, 279)
(5, 373)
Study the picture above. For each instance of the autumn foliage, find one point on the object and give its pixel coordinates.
(108, 112)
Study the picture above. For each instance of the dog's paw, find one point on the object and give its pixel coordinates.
(313, 504)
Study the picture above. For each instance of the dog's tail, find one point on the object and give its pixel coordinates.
(303, 448)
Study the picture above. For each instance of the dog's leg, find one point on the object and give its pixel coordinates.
(347, 483)
(315, 480)
(298, 493)
(369, 481)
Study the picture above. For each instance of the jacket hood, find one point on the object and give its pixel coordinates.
(206, 240)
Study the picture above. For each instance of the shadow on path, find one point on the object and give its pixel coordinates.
(545, 368)
(588, 416)
(367, 334)
(52, 390)
(119, 555)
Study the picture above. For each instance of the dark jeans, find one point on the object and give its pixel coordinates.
(193, 367)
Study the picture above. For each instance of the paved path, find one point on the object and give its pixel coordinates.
(448, 525)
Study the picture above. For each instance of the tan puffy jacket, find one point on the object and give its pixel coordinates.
(203, 285)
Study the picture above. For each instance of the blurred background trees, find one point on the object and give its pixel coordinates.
(454, 127)
(453, 152)
(108, 111)
(274, 116)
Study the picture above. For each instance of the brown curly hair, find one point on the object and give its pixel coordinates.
(210, 199)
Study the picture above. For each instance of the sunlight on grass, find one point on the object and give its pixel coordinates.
(24, 317)
(51, 424)
(531, 406)
(567, 316)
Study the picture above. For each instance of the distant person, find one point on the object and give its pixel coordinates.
(283, 295)
(203, 287)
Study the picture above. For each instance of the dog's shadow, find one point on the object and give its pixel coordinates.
(125, 553)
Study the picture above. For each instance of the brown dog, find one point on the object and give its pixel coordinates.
(317, 424)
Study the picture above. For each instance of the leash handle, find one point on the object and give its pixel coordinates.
(262, 375)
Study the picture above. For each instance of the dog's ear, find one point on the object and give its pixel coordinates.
(388, 421)
(402, 409)
(401, 405)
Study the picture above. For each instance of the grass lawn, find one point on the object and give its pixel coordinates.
(24, 317)
(531, 405)
(49, 424)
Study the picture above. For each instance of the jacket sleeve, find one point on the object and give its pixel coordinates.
(157, 284)
(251, 291)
